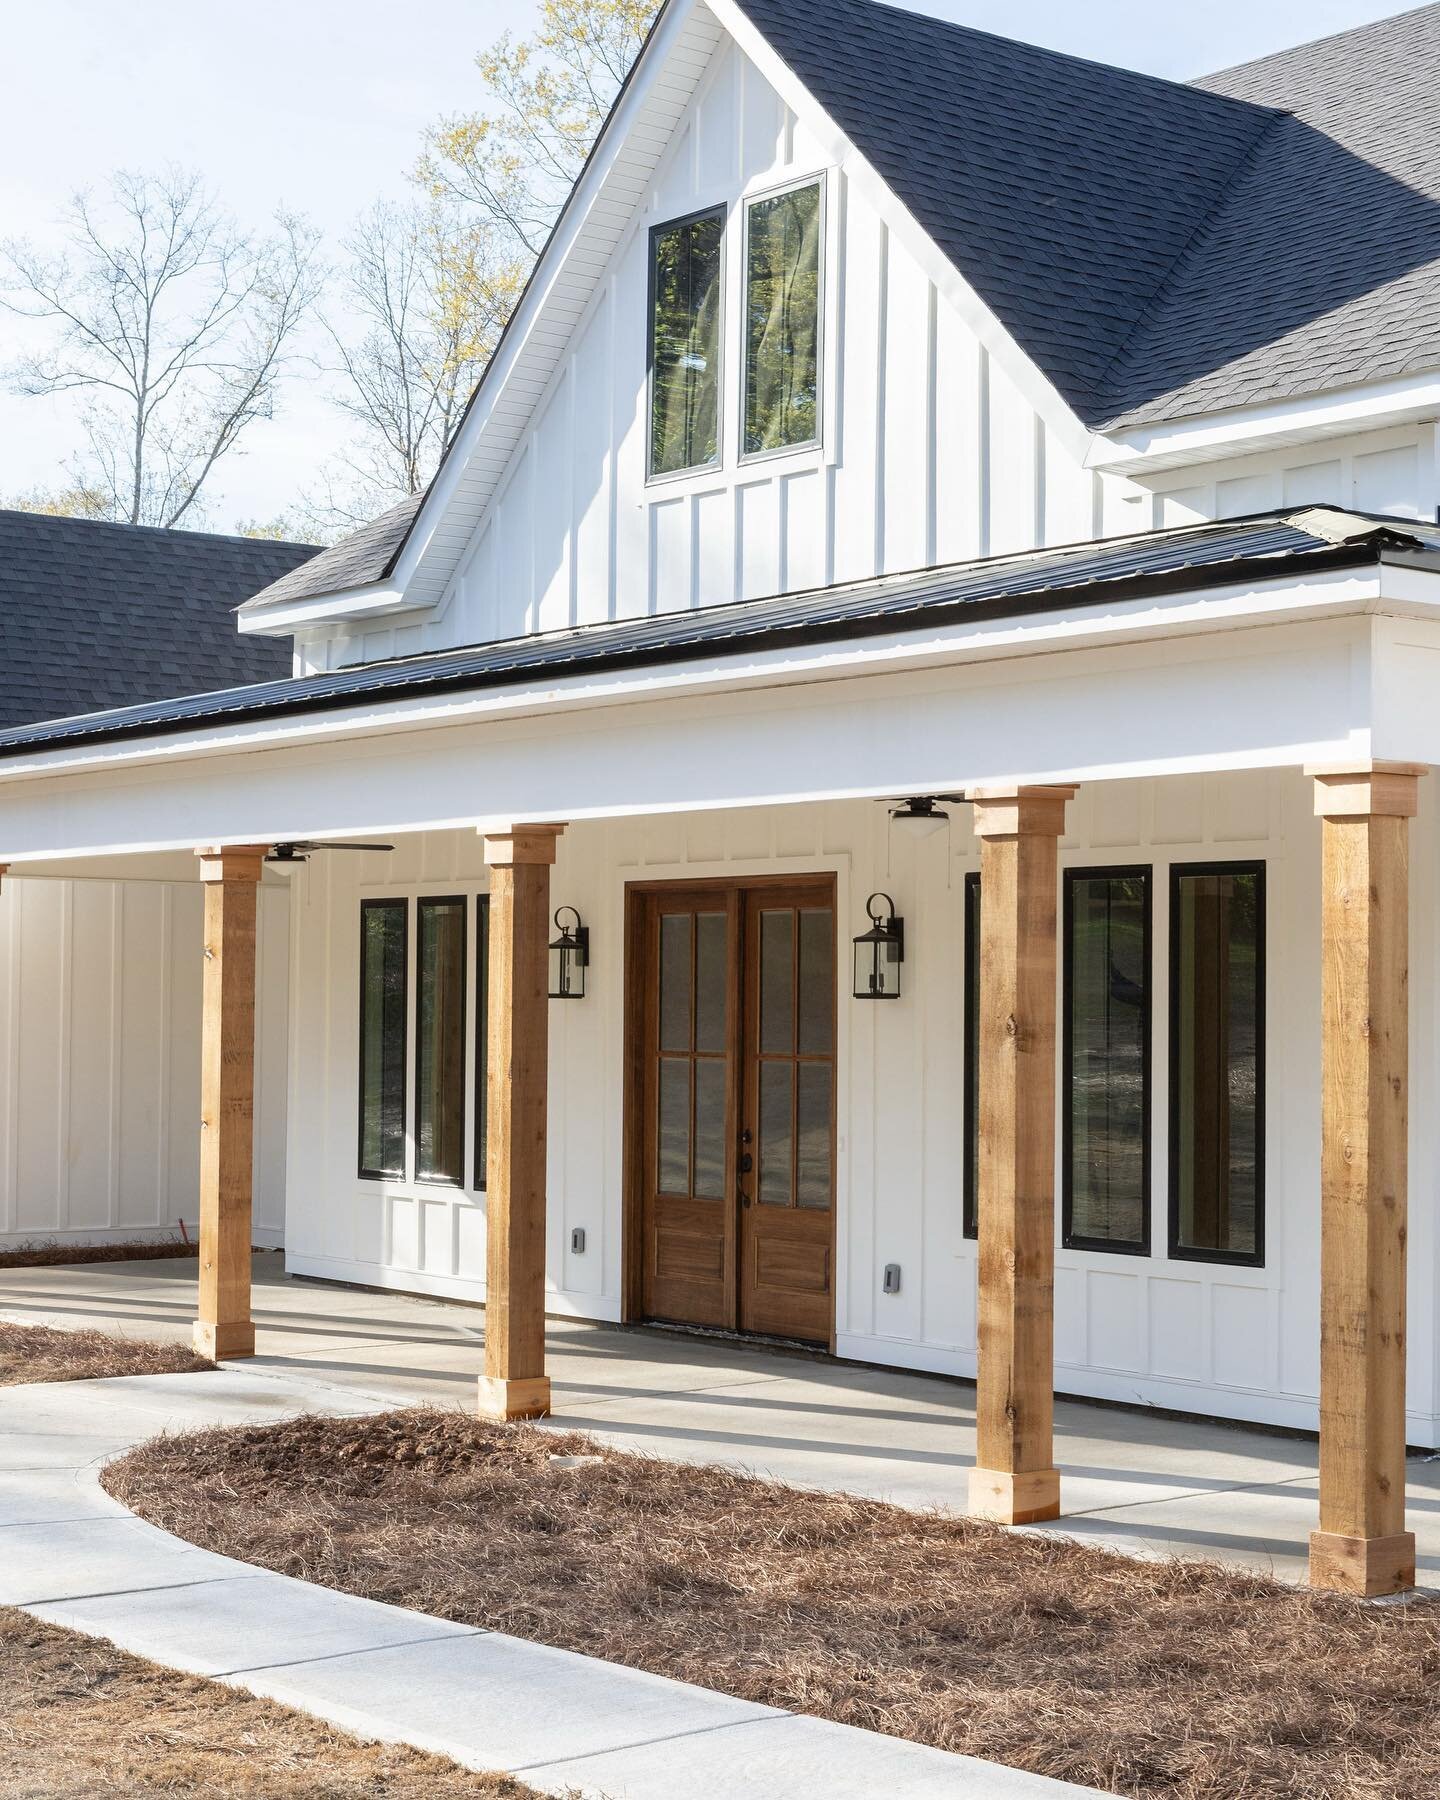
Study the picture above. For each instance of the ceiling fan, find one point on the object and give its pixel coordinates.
(921, 814)
(301, 850)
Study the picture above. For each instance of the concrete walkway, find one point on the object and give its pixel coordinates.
(71, 1555)
(1140, 1481)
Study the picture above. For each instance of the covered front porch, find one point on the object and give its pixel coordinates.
(1148, 1483)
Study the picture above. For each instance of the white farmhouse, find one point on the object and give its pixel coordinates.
(921, 649)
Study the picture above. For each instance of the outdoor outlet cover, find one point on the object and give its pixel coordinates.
(577, 1240)
(892, 1278)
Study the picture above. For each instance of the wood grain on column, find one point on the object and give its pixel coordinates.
(515, 1385)
(231, 875)
(1362, 1546)
(1015, 1479)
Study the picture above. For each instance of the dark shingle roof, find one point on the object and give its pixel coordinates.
(1321, 267)
(1158, 249)
(1184, 559)
(94, 615)
(1063, 190)
(366, 556)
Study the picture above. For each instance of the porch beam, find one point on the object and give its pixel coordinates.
(1015, 1479)
(1362, 1546)
(515, 1385)
(231, 878)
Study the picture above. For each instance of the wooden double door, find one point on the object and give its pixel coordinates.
(732, 1015)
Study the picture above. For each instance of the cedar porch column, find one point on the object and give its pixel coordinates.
(1015, 1479)
(515, 1385)
(1362, 1546)
(227, 1099)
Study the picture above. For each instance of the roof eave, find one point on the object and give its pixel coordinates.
(279, 618)
(1149, 448)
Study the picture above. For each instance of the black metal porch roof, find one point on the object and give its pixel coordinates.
(1268, 546)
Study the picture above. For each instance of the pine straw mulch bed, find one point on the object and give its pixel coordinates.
(41, 1353)
(1178, 1678)
(79, 1717)
(49, 1253)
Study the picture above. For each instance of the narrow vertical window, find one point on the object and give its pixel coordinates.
(382, 1037)
(685, 301)
(971, 1053)
(1106, 1157)
(1217, 1062)
(782, 320)
(440, 1040)
(482, 1039)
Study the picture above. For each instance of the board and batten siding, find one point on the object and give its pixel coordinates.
(1232, 1341)
(930, 452)
(100, 1058)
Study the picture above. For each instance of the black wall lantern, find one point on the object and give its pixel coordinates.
(569, 958)
(879, 952)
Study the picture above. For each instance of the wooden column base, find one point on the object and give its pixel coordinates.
(1023, 1499)
(222, 1342)
(528, 1398)
(1365, 1566)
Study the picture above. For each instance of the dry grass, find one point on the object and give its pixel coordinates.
(1175, 1678)
(48, 1253)
(79, 1717)
(41, 1353)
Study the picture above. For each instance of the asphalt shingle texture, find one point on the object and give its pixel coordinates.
(94, 615)
(366, 556)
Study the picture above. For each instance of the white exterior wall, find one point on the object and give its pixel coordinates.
(1235, 1342)
(1390, 471)
(930, 451)
(100, 1059)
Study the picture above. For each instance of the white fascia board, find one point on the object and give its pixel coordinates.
(1174, 444)
(282, 620)
(1028, 377)
(1245, 605)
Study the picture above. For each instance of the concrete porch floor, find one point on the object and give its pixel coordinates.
(1140, 1481)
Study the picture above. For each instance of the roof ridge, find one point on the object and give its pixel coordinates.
(165, 531)
(1306, 44)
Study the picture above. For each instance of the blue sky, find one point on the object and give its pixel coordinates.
(319, 105)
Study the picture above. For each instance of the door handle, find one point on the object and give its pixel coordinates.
(747, 1162)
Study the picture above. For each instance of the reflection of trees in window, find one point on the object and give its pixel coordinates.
(440, 1041)
(1107, 1060)
(782, 319)
(1217, 947)
(685, 298)
(382, 1037)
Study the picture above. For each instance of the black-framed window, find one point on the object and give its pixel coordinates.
(1217, 1062)
(686, 302)
(782, 319)
(482, 1038)
(440, 1039)
(1105, 1111)
(384, 949)
(970, 1128)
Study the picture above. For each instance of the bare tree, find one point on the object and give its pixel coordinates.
(175, 326)
(548, 94)
(422, 301)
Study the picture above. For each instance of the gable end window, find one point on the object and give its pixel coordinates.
(782, 320)
(1105, 1117)
(686, 295)
(1217, 1062)
(383, 1003)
